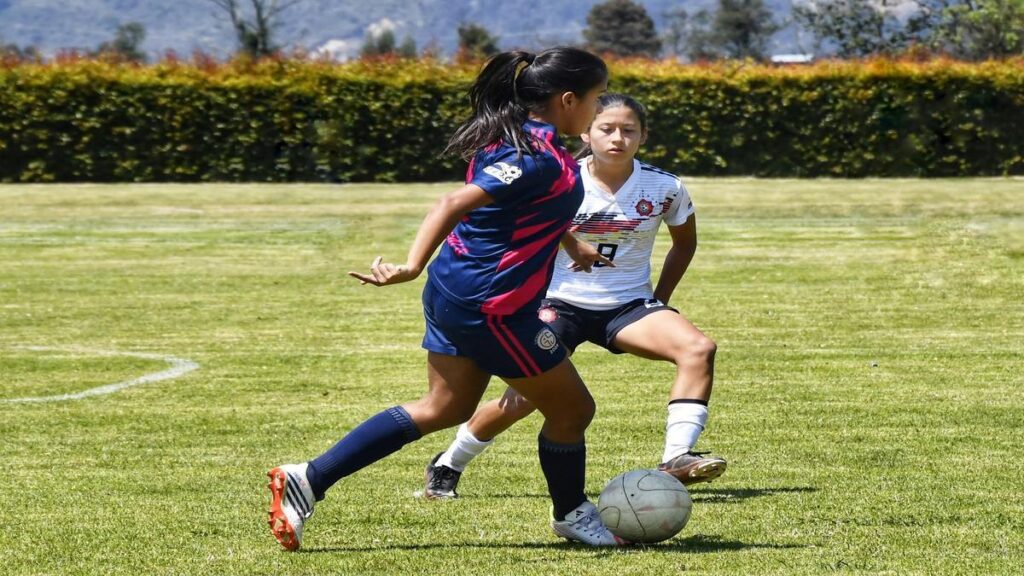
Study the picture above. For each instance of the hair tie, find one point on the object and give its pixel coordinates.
(520, 66)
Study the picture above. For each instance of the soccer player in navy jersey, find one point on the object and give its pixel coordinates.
(615, 306)
(499, 235)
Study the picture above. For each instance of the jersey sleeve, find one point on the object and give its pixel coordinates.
(508, 177)
(682, 206)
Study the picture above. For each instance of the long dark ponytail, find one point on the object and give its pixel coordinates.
(614, 100)
(513, 84)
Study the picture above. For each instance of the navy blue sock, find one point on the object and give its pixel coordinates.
(564, 467)
(380, 436)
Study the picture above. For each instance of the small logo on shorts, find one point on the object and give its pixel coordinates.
(546, 340)
(504, 172)
(547, 314)
(652, 303)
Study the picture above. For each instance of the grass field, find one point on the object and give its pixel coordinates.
(869, 388)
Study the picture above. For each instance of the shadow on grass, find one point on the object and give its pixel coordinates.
(732, 495)
(699, 493)
(698, 544)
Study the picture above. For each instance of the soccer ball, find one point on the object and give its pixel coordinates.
(645, 506)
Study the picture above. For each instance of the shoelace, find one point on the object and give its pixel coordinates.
(440, 475)
(591, 523)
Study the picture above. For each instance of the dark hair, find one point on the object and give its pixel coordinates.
(513, 84)
(614, 100)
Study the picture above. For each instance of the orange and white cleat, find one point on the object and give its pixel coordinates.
(291, 503)
(693, 467)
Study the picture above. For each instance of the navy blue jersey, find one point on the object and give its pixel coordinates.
(499, 258)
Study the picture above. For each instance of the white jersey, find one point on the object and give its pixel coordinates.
(623, 227)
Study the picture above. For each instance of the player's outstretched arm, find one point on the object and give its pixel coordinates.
(439, 222)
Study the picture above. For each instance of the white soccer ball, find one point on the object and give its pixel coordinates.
(645, 506)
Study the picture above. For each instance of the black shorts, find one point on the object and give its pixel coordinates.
(574, 325)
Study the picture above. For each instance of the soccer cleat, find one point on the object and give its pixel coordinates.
(584, 525)
(441, 481)
(693, 467)
(291, 503)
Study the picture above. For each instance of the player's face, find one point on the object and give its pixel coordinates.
(615, 135)
(580, 110)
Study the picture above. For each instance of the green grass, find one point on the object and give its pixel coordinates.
(869, 390)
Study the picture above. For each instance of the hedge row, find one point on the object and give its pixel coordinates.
(388, 121)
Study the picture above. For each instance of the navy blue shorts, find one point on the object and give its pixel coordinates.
(514, 346)
(574, 325)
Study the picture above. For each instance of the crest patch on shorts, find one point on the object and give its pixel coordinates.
(546, 340)
(547, 314)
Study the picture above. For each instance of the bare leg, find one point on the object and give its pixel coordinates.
(563, 399)
(494, 417)
(456, 385)
(666, 335)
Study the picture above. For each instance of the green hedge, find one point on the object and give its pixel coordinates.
(388, 121)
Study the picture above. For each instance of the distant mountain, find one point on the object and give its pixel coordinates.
(187, 25)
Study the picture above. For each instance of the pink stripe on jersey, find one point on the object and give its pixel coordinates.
(456, 243)
(512, 301)
(567, 180)
(527, 251)
(526, 231)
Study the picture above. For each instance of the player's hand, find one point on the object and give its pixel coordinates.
(385, 273)
(584, 256)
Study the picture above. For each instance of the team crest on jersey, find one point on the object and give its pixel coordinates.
(644, 207)
(547, 314)
(507, 173)
(546, 340)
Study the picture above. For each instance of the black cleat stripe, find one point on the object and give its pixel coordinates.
(294, 498)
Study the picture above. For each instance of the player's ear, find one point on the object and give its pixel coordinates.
(569, 100)
(643, 137)
(586, 136)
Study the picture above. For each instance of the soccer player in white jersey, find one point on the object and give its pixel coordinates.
(604, 295)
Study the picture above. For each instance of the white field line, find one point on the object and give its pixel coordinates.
(179, 367)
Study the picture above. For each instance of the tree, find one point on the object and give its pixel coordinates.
(737, 29)
(407, 49)
(742, 28)
(255, 31)
(966, 29)
(970, 29)
(13, 52)
(126, 44)
(853, 28)
(690, 35)
(623, 28)
(475, 42)
(378, 44)
(384, 43)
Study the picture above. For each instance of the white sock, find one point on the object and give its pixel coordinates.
(686, 421)
(463, 450)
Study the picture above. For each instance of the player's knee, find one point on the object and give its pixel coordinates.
(579, 414)
(696, 351)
